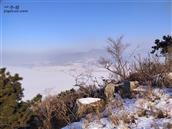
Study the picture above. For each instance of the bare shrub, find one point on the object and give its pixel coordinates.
(157, 113)
(91, 91)
(121, 116)
(117, 113)
(117, 65)
(127, 117)
(70, 99)
(149, 69)
(52, 109)
(141, 112)
(114, 119)
(89, 117)
(116, 103)
(158, 93)
(58, 111)
(89, 86)
(142, 106)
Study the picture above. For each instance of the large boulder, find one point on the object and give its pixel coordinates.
(109, 91)
(133, 85)
(125, 90)
(88, 105)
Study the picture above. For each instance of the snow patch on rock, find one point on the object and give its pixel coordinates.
(88, 100)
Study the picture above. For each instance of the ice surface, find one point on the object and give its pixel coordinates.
(52, 79)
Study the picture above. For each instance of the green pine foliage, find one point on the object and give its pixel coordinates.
(162, 45)
(14, 113)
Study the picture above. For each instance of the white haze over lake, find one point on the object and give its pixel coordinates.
(51, 73)
(51, 79)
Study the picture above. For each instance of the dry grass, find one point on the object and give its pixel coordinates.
(150, 69)
(52, 109)
(122, 116)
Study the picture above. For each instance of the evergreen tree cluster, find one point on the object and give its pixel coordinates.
(14, 113)
(162, 45)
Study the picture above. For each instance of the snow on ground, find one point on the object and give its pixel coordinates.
(162, 102)
(52, 79)
(88, 100)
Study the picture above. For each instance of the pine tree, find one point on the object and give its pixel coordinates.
(14, 113)
(162, 45)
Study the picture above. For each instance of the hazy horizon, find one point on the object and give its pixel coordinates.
(75, 26)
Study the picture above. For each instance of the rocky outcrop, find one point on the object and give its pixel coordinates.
(133, 85)
(109, 91)
(124, 88)
(88, 105)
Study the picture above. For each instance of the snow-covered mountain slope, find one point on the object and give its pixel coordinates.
(140, 113)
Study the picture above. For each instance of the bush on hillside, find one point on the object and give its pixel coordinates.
(150, 69)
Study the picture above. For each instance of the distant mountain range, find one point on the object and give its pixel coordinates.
(51, 58)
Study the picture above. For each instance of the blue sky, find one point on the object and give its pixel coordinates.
(82, 25)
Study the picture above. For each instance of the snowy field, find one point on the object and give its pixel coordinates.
(52, 79)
